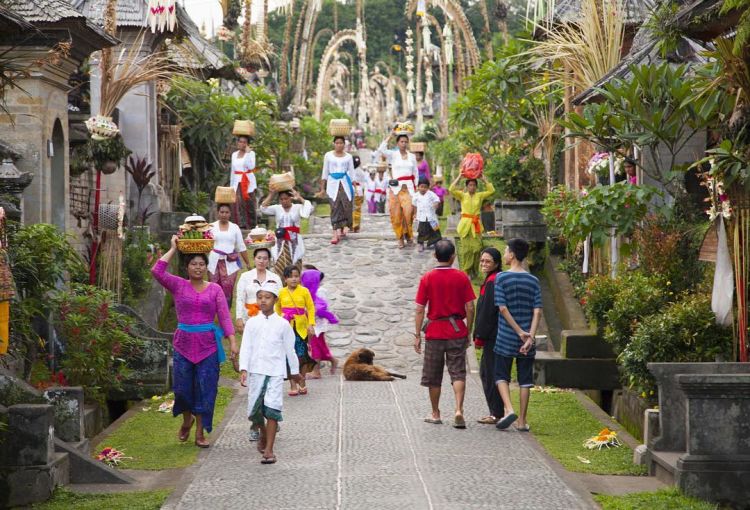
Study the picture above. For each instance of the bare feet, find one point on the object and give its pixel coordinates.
(400, 243)
(334, 364)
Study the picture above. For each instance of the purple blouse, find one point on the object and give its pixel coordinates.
(424, 170)
(194, 307)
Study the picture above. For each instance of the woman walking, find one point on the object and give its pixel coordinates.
(401, 187)
(337, 183)
(224, 259)
(289, 247)
(197, 342)
(242, 180)
(469, 228)
(249, 284)
(485, 332)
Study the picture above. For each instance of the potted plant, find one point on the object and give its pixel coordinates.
(108, 153)
(520, 185)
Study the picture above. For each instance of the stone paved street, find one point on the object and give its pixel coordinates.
(352, 445)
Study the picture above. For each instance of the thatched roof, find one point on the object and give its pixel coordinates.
(644, 49)
(636, 11)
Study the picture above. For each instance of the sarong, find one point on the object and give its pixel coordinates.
(306, 363)
(469, 251)
(381, 206)
(402, 214)
(439, 209)
(341, 210)
(245, 211)
(225, 281)
(285, 259)
(426, 234)
(264, 398)
(319, 350)
(357, 213)
(195, 387)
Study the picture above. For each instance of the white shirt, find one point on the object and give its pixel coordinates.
(267, 346)
(370, 186)
(243, 164)
(359, 178)
(401, 168)
(227, 241)
(247, 289)
(322, 325)
(381, 183)
(291, 218)
(333, 164)
(425, 205)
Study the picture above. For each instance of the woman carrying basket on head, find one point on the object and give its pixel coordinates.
(337, 183)
(289, 247)
(224, 260)
(402, 186)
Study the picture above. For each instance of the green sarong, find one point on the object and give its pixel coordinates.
(469, 251)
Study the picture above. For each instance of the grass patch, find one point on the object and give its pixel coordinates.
(150, 437)
(322, 209)
(561, 425)
(663, 499)
(63, 499)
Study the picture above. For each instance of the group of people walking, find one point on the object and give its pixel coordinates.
(282, 312)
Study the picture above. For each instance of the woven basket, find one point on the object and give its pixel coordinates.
(243, 128)
(339, 127)
(418, 147)
(281, 182)
(108, 216)
(225, 195)
(195, 245)
(254, 246)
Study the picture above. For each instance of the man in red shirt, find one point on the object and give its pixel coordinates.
(449, 298)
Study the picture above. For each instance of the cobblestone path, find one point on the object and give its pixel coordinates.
(357, 445)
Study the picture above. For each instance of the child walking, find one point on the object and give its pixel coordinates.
(324, 318)
(426, 202)
(519, 300)
(295, 304)
(267, 348)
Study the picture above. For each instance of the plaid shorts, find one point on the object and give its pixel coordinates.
(439, 353)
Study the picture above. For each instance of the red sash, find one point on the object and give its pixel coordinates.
(290, 229)
(245, 182)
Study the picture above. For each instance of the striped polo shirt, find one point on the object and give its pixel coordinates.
(521, 294)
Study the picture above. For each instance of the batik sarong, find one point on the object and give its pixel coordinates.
(341, 210)
(195, 387)
(264, 398)
(402, 214)
(245, 211)
(225, 281)
(357, 213)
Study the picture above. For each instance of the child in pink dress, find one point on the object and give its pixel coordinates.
(311, 279)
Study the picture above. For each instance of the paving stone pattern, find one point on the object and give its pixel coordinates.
(363, 445)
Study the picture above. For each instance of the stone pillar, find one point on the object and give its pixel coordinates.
(717, 464)
(69, 412)
(31, 427)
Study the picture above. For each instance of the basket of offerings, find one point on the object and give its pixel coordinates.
(403, 128)
(281, 182)
(259, 237)
(243, 128)
(472, 166)
(418, 147)
(101, 127)
(195, 236)
(339, 127)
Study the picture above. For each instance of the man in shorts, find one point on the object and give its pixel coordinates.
(447, 295)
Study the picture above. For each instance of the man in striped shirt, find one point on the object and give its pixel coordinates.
(519, 301)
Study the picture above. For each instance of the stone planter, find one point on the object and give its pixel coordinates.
(673, 402)
(524, 220)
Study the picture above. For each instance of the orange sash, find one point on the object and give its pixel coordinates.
(245, 182)
(252, 309)
(475, 220)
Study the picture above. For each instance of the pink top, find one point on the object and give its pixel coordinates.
(424, 170)
(194, 307)
(440, 192)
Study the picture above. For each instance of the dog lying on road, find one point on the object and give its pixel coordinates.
(359, 367)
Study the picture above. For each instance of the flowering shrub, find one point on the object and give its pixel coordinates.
(558, 202)
(599, 164)
(601, 291)
(96, 339)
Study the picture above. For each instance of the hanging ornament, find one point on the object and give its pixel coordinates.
(162, 15)
(421, 7)
(426, 41)
(410, 87)
(448, 36)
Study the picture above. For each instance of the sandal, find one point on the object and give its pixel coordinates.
(201, 442)
(268, 460)
(293, 393)
(334, 241)
(525, 428)
(183, 435)
(487, 420)
(434, 421)
(303, 391)
(459, 422)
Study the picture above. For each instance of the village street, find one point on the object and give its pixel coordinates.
(351, 445)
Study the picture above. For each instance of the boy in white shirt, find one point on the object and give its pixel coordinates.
(267, 347)
(426, 202)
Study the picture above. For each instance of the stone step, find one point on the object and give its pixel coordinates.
(664, 465)
(551, 369)
(584, 343)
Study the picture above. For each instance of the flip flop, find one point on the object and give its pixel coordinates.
(303, 391)
(293, 393)
(459, 422)
(506, 421)
(487, 420)
(268, 460)
(525, 428)
(334, 241)
(434, 421)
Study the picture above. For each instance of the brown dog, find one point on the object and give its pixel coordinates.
(359, 367)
